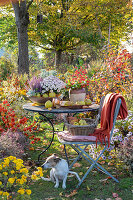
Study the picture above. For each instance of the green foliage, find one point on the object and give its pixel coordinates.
(8, 31)
(68, 24)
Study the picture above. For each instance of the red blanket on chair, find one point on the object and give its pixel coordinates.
(107, 115)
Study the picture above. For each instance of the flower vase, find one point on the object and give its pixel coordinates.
(77, 95)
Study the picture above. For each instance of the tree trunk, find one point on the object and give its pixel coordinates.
(23, 57)
(58, 58)
(22, 21)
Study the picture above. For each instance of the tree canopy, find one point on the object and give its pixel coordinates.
(66, 24)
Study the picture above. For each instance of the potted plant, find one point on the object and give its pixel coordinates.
(44, 89)
(77, 84)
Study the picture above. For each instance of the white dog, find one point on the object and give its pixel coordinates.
(59, 170)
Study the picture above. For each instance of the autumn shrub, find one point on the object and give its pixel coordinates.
(122, 132)
(6, 68)
(14, 91)
(114, 75)
(9, 120)
(126, 153)
(13, 143)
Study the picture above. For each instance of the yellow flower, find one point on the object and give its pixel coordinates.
(21, 191)
(11, 180)
(5, 194)
(12, 158)
(28, 192)
(18, 166)
(6, 162)
(0, 183)
(21, 181)
(34, 177)
(5, 173)
(25, 170)
(20, 160)
(18, 180)
(1, 192)
(5, 165)
(24, 178)
(41, 174)
(39, 168)
(12, 171)
(0, 167)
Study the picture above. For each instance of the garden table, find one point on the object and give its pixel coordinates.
(62, 110)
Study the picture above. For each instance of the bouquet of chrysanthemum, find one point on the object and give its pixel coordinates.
(45, 87)
(52, 84)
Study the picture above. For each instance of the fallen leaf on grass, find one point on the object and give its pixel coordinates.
(110, 163)
(115, 195)
(61, 193)
(40, 183)
(104, 181)
(77, 165)
(62, 147)
(39, 148)
(109, 177)
(81, 173)
(102, 162)
(74, 192)
(88, 188)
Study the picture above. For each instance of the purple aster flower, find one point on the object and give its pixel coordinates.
(103, 157)
(129, 127)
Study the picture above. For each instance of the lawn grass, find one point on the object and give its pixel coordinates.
(96, 185)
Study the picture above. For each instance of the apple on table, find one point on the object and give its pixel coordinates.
(45, 95)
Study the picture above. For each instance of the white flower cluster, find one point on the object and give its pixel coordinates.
(52, 84)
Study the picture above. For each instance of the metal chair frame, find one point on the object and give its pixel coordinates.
(80, 148)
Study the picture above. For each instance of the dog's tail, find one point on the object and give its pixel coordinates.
(75, 174)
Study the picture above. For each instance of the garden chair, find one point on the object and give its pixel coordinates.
(117, 105)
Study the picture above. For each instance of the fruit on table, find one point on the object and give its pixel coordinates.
(45, 95)
(52, 94)
(48, 104)
(88, 102)
(68, 103)
(82, 122)
(38, 95)
(76, 123)
(80, 103)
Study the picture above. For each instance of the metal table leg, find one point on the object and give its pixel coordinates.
(51, 138)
